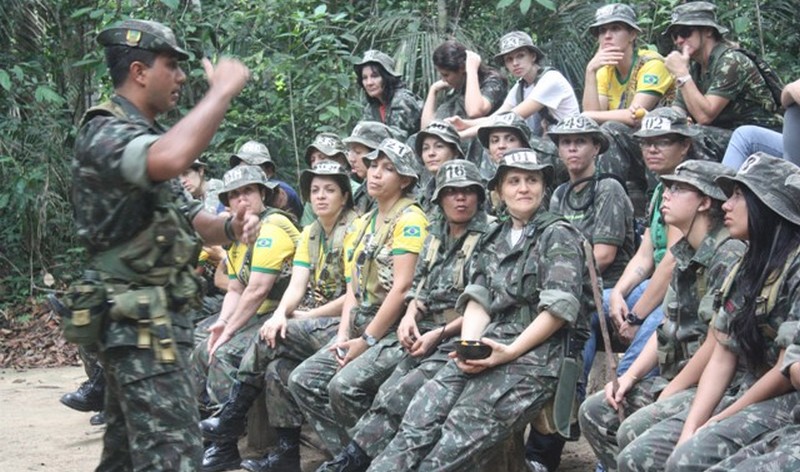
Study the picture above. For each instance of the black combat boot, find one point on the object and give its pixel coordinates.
(285, 458)
(98, 419)
(221, 456)
(351, 459)
(230, 422)
(89, 396)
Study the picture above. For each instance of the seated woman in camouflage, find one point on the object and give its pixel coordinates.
(742, 393)
(435, 145)
(693, 204)
(306, 319)
(325, 147)
(336, 385)
(365, 138)
(528, 301)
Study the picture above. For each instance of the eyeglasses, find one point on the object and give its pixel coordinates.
(659, 144)
(676, 188)
(681, 32)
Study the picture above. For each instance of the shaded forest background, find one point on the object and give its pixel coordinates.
(300, 53)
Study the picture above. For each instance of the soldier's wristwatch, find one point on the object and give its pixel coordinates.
(633, 320)
(369, 339)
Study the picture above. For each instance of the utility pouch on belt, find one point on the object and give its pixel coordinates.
(148, 307)
(559, 415)
(84, 309)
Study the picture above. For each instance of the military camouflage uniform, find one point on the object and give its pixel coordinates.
(150, 409)
(688, 311)
(369, 134)
(778, 451)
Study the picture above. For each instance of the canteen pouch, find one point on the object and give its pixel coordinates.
(148, 307)
(84, 311)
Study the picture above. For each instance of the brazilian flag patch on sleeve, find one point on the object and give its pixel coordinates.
(411, 232)
(650, 79)
(264, 242)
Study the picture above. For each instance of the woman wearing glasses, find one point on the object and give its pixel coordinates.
(306, 319)
(337, 384)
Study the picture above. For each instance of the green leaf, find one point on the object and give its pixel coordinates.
(45, 94)
(504, 4)
(80, 12)
(171, 4)
(524, 6)
(320, 10)
(549, 4)
(741, 24)
(5, 80)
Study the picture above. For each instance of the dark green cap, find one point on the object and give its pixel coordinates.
(369, 134)
(508, 120)
(328, 144)
(252, 153)
(579, 124)
(401, 156)
(243, 175)
(696, 14)
(701, 175)
(515, 40)
(616, 12)
(142, 34)
(377, 57)
(442, 130)
(525, 159)
(458, 173)
(663, 121)
(327, 169)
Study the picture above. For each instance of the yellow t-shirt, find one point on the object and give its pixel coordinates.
(653, 78)
(271, 254)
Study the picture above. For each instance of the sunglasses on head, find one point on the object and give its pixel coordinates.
(681, 32)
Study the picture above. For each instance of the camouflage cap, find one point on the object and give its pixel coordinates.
(327, 169)
(252, 153)
(243, 175)
(579, 124)
(524, 159)
(401, 156)
(663, 121)
(369, 134)
(515, 40)
(328, 144)
(373, 56)
(508, 120)
(142, 34)
(442, 130)
(695, 14)
(774, 181)
(614, 13)
(701, 175)
(458, 173)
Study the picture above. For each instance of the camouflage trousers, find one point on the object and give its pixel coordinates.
(88, 356)
(455, 420)
(711, 142)
(714, 443)
(268, 368)
(600, 423)
(378, 426)
(212, 304)
(778, 451)
(332, 398)
(151, 413)
(623, 158)
(214, 377)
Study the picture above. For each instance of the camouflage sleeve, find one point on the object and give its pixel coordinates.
(732, 74)
(555, 200)
(406, 110)
(725, 256)
(475, 269)
(792, 354)
(494, 89)
(561, 271)
(420, 271)
(610, 212)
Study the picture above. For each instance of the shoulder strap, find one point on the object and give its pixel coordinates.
(430, 259)
(467, 248)
(771, 79)
(108, 108)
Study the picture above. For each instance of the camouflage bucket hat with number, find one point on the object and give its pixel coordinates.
(142, 34)
(402, 157)
(515, 40)
(369, 134)
(579, 124)
(243, 175)
(373, 56)
(442, 130)
(508, 121)
(614, 13)
(695, 14)
(251, 153)
(328, 144)
(774, 181)
(460, 174)
(524, 159)
(664, 121)
(327, 169)
(701, 175)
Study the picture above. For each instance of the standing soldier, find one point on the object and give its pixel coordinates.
(136, 222)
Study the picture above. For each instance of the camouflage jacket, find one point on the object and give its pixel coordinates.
(732, 75)
(403, 113)
(545, 270)
(362, 202)
(608, 219)
(493, 88)
(792, 354)
(689, 302)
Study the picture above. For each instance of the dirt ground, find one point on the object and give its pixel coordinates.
(40, 434)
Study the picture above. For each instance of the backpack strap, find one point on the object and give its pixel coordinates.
(544, 112)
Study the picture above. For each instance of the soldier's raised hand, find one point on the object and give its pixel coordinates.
(228, 76)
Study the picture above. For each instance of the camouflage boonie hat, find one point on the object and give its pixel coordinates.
(377, 57)
(508, 120)
(579, 124)
(701, 175)
(514, 40)
(369, 134)
(142, 34)
(243, 175)
(695, 14)
(663, 121)
(252, 153)
(327, 169)
(442, 130)
(616, 12)
(774, 181)
(458, 173)
(401, 156)
(525, 159)
(197, 163)
(328, 144)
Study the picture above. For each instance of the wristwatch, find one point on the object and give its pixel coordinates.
(369, 339)
(633, 320)
(681, 81)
